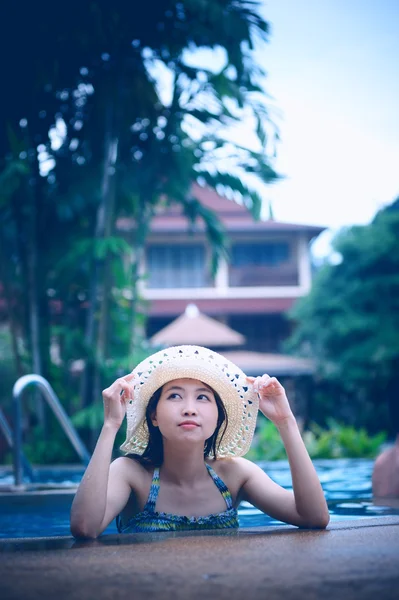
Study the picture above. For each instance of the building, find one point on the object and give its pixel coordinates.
(269, 269)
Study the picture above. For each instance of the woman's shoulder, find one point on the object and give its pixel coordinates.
(236, 463)
(235, 468)
(134, 471)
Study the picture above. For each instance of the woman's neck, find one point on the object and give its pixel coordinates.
(183, 466)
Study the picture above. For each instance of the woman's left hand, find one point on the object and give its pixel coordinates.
(273, 401)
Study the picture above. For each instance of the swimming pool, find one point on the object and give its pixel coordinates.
(346, 484)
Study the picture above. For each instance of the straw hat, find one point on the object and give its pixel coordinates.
(195, 362)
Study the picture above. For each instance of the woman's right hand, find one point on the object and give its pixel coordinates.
(115, 398)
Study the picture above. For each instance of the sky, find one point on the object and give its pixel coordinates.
(333, 75)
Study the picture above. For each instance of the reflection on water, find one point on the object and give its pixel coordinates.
(346, 484)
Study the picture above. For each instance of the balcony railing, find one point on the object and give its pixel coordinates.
(179, 278)
(256, 276)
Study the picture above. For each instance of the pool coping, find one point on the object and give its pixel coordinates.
(65, 541)
(350, 559)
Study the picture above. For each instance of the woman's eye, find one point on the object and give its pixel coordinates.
(203, 397)
(173, 396)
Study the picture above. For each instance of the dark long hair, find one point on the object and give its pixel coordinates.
(153, 454)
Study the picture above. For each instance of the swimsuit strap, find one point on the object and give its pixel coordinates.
(223, 489)
(154, 490)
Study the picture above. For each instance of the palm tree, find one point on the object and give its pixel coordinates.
(125, 140)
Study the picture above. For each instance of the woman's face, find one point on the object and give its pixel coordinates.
(186, 410)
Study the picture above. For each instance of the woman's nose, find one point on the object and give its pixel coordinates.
(189, 408)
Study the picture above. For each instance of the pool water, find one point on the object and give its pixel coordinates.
(346, 484)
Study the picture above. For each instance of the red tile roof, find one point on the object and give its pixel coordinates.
(234, 216)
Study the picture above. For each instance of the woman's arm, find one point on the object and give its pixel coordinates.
(306, 506)
(104, 489)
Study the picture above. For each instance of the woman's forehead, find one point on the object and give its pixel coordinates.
(186, 382)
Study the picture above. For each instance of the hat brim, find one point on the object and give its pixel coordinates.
(194, 362)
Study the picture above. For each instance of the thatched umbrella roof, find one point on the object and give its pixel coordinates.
(193, 327)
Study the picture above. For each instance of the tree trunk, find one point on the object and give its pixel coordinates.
(33, 298)
(12, 320)
(95, 335)
(108, 195)
(106, 284)
(143, 220)
(91, 333)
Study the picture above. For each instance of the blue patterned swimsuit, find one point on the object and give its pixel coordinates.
(150, 520)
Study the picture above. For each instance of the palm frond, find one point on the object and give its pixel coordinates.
(250, 198)
(11, 178)
(214, 229)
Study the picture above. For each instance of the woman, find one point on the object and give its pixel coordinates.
(191, 415)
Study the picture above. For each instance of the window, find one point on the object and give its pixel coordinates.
(180, 266)
(268, 264)
(260, 254)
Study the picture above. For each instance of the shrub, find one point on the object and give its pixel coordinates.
(338, 441)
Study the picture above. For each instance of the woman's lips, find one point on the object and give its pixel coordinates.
(188, 425)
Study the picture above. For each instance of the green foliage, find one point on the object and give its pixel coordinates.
(337, 441)
(87, 137)
(348, 323)
(11, 177)
(49, 448)
(122, 147)
(8, 373)
(91, 417)
(267, 443)
(341, 441)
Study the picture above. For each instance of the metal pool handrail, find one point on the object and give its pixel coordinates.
(4, 427)
(37, 380)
